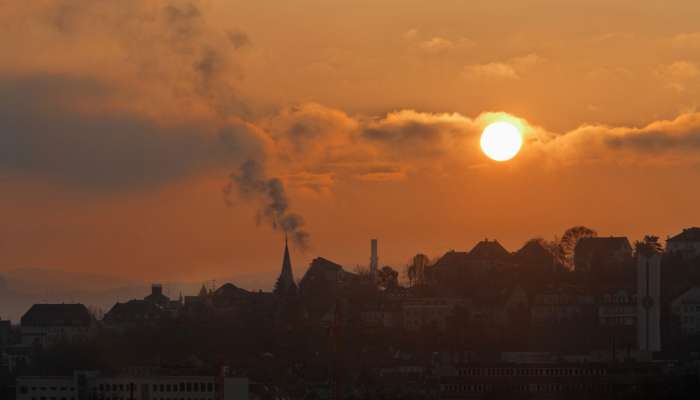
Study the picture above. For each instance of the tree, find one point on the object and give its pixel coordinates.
(568, 242)
(387, 278)
(648, 246)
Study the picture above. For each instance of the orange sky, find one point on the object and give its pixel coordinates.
(120, 123)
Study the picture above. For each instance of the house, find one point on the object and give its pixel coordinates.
(387, 315)
(488, 254)
(686, 309)
(15, 356)
(686, 244)
(134, 312)
(595, 254)
(431, 312)
(45, 324)
(561, 305)
(534, 257)
(154, 307)
(459, 270)
(617, 308)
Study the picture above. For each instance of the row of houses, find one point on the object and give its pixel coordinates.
(154, 385)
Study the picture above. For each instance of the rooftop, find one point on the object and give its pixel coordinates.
(688, 235)
(57, 315)
(602, 245)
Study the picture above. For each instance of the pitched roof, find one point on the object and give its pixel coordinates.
(533, 252)
(132, 310)
(690, 296)
(688, 235)
(230, 290)
(489, 249)
(57, 315)
(601, 245)
(325, 264)
(324, 270)
(451, 259)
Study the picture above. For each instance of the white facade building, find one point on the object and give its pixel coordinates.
(617, 308)
(686, 308)
(686, 244)
(45, 324)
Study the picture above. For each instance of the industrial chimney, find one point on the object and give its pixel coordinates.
(373, 259)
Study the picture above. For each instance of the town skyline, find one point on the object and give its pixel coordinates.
(302, 258)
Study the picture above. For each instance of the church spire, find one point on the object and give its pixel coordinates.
(285, 283)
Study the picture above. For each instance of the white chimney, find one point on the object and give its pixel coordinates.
(374, 258)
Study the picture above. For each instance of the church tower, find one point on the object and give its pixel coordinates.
(285, 283)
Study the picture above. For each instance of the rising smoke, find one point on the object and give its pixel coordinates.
(253, 183)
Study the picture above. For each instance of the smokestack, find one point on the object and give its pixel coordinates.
(374, 258)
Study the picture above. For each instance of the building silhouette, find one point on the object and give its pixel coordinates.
(285, 282)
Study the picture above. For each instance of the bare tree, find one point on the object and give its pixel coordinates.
(387, 278)
(648, 246)
(567, 244)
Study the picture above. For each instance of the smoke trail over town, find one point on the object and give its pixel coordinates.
(253, 184)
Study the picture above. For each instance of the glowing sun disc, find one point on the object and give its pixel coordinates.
(501, 141)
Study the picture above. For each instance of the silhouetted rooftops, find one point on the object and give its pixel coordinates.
(602, 245)
(57, 315)
(489, 249)
(688, 235)
(230, 290)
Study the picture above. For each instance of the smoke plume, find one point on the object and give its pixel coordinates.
(253, 183)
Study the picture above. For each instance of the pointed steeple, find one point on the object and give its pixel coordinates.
(285, 283)
(203, 291)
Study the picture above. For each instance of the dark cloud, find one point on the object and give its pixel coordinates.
(65, 15)
(208, 66)
(253, 183)
(239, 39)
(408, 131)
(184, 20)
(40, 137)
(656, 141)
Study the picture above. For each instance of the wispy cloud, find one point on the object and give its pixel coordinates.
(497, 70)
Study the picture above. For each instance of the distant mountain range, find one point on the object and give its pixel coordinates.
(22, 287)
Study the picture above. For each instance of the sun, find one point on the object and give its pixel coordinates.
(501, 141)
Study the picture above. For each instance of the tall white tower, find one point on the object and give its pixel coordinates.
(373, 258)
(649, 302)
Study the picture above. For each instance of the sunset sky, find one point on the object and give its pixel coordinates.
(122, 121)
